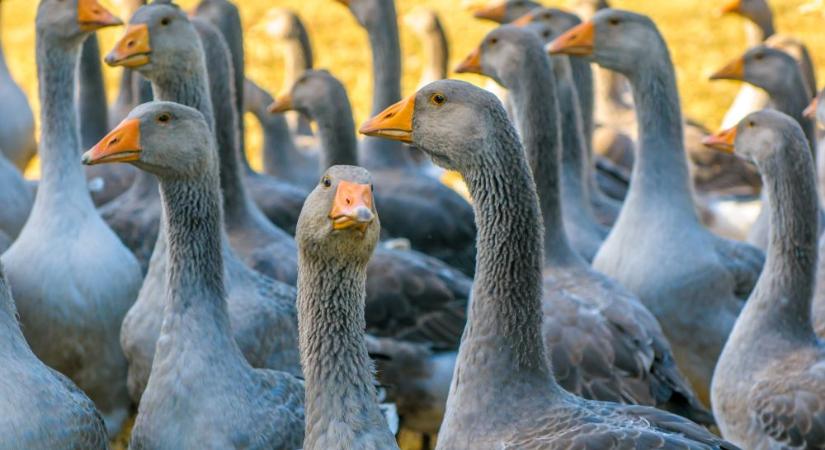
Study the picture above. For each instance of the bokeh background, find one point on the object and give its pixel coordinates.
(699, 40)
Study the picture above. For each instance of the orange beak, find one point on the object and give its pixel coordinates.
(133, 49)
(121, 145)
(281, 105)
(734, 70)
(733, 6)
(810, 111)
(494, 12)
(472, 63)
(523, 21)
(92, 16)
(343, 2)
(722, 141)
(352, 207)
(576, 41)
(395, 122)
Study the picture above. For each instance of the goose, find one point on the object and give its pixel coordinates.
(279, 201)
(70, 313)
(129, 92)
(760, 29)
(16, 118)
(202, 392)
(658, 249)
(105, 182)
(769, 388)
(429, 30)
(281, 156)
(286, 26)
(427, 225)
(261, 245)
(779, 76)
(503, 393)
(337, 232)
(36, 398)
(578, 301)
(261, 310)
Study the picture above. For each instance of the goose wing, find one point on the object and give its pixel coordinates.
(791, 409)
(743, 261)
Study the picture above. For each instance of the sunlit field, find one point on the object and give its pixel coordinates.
(700, 43)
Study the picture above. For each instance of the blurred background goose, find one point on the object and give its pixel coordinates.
(16, 118)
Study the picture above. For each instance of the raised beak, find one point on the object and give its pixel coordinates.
(92, 16)
(575, 41)
(281, 105)
(732, 6)
(734, 70)
(472, 63)
(495, 12)
(133, 49)
(394, 123)
(352, 207)
(121, 145)
(523, 21)
(722, 141)
(810, 111)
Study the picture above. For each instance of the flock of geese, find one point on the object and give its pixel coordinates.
(583, 299)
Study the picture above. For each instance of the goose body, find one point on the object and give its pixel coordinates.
(769, 384)
(199, 373)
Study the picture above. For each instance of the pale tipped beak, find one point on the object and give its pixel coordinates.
(92, 16)
(352, 207)
(722, 141)
(133, 49)
(734, 70)
(577, 41)
(121, 145)
(395, 122)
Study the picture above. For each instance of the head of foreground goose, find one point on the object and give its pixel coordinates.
(764, 137)
(166, 139)
(158, 35)
(618, 40)
(761, 66)
(71, 21)
(452, 121)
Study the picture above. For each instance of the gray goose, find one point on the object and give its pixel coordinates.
(769, 385)
(41, 408)
(504, 394)
(72, 279)
(279, 201)
(658, 248)
(261, 310)
(582, 308)
(202, 392)
(16, 118)
(777, 73)
(337, 232)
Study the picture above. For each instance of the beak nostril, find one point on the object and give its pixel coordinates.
(130, 44)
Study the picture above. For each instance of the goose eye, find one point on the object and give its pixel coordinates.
(326, 182)
(165, 21)
(493, 41)
(372, 188)
(548, 16)
(438, 99)
(165, 117)
(751, 124)
(759, 56)
(614, 21)
(546, 34)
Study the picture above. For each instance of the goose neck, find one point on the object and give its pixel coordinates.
(278, 144)
(574, 159)
(436, 52)
(583, 78)
(91, 95)
(759, 28)
(790, 96)
(297, 57)
(660, 176)
(537, 114)
(62, 176)
(337, 133)
(336, 366)
(188, 88)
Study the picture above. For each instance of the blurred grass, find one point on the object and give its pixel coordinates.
(699, 41)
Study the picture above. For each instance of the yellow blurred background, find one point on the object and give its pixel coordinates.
(700, 43)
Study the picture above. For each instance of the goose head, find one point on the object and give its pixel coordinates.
(761, 66)
(618, 40)
(761, 137)
(158, 35)
(315, 94)
(72, 20)
(502, 54)
(451, 121)
(757, 11)
(164, 138)
(548, 23)
(504, 11)
(282, 23)
(339, 219)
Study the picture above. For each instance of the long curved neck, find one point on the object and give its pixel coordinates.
(91, 95)
(759, 28)
(660, 175)
(62, 176)
(278, 148)
(533, 89)
(297, 56)
(436, 52)
(781, 300)
(336, 366)
(790, 96)
(386, 73)
(505, 314)
(583, 78)
(336, 130)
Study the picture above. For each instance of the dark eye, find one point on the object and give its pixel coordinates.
(438, 99)
(493, 41)
(759, 56)
(326, 182)
(372, 188)
(751, 124)
(165, 21)
(164, 117)
(548, 16)
(546, 34)
(614, 21)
